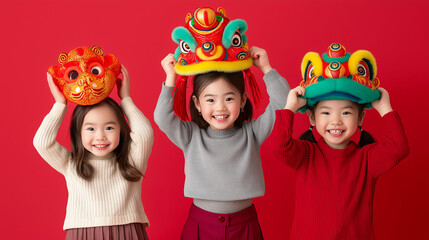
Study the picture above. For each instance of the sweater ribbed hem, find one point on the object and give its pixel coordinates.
(80, 222)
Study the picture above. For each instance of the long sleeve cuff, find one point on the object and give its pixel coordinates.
(166, 91)
(272, 74)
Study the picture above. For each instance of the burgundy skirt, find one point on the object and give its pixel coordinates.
(132, 231)
(204, 225)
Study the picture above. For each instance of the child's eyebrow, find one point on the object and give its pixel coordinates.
(213, 95)
(345, 107)
(106, 123)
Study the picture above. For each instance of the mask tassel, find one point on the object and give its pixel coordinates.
(179, 94)
(254, 88)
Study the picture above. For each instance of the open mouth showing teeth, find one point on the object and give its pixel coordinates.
(335, 131)
(220, 117)
(100, 146)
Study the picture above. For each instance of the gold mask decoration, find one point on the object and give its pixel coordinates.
(85, 76)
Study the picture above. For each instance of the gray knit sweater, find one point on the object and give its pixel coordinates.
(222, 165)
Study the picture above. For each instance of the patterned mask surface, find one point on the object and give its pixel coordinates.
(85, 76)
(339, 75)
(211, 42)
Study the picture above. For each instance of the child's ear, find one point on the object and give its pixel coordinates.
(311, 117)
(196, 102)
(360, 120)
(243, 100)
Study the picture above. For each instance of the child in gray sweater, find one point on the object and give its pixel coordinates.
(221, 146)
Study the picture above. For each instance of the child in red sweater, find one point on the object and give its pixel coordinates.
(335, 177)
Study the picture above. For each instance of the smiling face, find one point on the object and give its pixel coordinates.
(336, 121)
(100, 131)
(219, 104)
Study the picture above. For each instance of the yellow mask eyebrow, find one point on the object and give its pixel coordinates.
(314, 59)
(366, 56)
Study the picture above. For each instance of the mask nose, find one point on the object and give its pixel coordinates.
(210, 52)
(335, 70)
(84, 80)
(209, 48)
(87, 80)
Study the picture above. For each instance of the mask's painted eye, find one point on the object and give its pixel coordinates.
(96, 69)
(73, 74)
(184, 47)
(310, 74)
(236, 40)
(362, 69)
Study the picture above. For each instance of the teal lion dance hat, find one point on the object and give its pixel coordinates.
(339, 75)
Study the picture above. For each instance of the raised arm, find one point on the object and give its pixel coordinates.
(291, 151)
(141, 129)
(45, 139)
(178, 131)
(393, 146)
(277, 88)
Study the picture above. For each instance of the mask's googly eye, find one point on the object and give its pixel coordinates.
(236, 40)
(184, 47)
(362, 69)
(73, 75)
(311, 73)
(96, 70)
(242, 55)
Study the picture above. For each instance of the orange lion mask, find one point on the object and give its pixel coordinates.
(85, 76)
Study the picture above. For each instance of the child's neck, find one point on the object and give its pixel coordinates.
(109, 156)
(342, 145)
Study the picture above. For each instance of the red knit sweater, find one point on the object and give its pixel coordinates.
(335, 187)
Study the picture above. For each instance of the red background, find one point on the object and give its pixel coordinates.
(33, 33)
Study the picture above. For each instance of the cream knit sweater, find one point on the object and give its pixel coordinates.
(108, 198)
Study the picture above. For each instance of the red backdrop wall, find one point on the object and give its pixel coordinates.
(33, 33)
